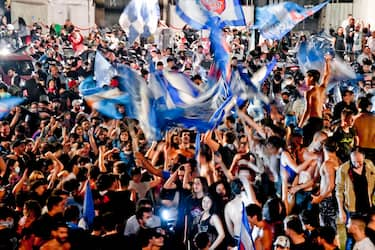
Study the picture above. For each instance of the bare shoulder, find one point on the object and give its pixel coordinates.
(322, 87)
(329, 166)
(214, 218)
(310, 91)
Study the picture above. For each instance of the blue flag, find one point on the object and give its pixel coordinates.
(106, 101)
(274, 21)
(140, 18)
(6, 104)
(311, 53)
(89, 87)
(103, 70)
(197, 12)
(88, 206)
(221, 49)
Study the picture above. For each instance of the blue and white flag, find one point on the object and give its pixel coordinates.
(103, 70)
(180, 102)
(6, 104)
(221, 49)
(106, 102)
(181, 89)
(89, 87)
(311, 53)
(197, 12)
(246, 241)
(274, 21)
(142, 105)
(140, 18)
(261, 75)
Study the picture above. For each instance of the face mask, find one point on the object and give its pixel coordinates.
(149, 223)
(17, 170)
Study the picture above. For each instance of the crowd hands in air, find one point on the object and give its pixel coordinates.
(302, 171)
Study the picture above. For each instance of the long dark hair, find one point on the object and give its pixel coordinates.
(204, 183)
(213, 209)
(21, 22)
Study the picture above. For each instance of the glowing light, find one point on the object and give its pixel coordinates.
(4, 51)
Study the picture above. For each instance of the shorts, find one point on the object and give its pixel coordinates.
(328, 212)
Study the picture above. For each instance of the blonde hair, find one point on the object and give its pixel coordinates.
(36, 175)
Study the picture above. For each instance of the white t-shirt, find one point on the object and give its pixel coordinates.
(371, 43)
(141, 188)
(364, 244)
(357, 45)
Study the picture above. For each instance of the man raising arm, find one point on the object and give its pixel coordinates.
(314, 98)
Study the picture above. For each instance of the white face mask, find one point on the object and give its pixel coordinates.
(149, 223)
(17, 170)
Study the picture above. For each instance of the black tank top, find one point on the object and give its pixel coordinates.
(205, 226)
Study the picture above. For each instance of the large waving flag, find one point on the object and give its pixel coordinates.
(88, 206)
(274, 21)
(89, 86)
(102, 93)
(106, 101)
(142, 104)
(311, 54)
(180, 88)
(6, 104)
(197, 12)
(170, 99)
(140, 18)
(175, 94)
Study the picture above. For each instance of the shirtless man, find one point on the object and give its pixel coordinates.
(233, 211)
(59, 240)
(314, 99)
(305, 181)
(325, 199)
(363, 124)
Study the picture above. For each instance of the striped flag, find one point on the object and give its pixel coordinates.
(246, 241)
(140, 18)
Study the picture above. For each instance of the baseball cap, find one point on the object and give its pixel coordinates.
(282, 241)
(285, 91)
(17, 143)
(44, 99)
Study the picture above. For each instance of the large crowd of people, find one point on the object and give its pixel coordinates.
(302, 170)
